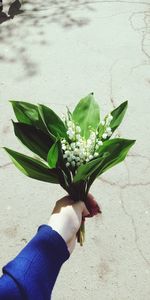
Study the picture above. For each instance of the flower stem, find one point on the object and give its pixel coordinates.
(78, 193)
(81, 234)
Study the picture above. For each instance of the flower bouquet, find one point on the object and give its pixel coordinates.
(72, 151)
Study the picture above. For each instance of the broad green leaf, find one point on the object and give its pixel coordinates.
(85, 170)
(33, 138)
(86, 114)
(32, 167)
(117, 149)
(118, 115)
(117, 155)
(111, 145)
(54, 124)
(27, 113)
(52, 156)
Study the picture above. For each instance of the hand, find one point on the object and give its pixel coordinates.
(67, 216)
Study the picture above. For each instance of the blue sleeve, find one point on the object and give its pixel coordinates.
(32, 274)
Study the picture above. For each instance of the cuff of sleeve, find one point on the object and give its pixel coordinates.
(55, 240)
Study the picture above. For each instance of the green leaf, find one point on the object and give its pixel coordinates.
(33, 138)
(32, 167)
(27, 113)
(118, 115)
(85, 170)
(54, 124)
(86, 114)
(118, 154)
(52, 156)
(117, 150)
(111, 145)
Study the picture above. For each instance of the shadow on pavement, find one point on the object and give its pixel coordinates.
(4, 17)
(26, 24)
(14, 9)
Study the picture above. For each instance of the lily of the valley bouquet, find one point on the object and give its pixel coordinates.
(72, 151)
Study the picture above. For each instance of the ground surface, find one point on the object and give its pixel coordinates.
(54, 53)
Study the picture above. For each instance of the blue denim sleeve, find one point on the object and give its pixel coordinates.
(32, 274)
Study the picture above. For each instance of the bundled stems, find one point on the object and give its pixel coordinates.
(81, 233)
(79, 192)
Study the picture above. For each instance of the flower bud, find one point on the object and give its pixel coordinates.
(100, 143)
(73, 163)
(76, 151)
(73, 145)
(95, 154)
(104, 136)
(69, 159)
(77, 158)
(67, 152)
(90, 156)
(108, 129)
(78, 137)
(78, 129)
(63, 147)
(78, 144)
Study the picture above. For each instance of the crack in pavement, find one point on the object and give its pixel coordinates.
(119, 133)
(139, 155)
(111, 83)
(136, 238)
(124, 186)
(119, 1)
(145, 32)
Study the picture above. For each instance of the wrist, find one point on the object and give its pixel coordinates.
(70, 242)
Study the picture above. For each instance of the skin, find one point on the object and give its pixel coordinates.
(67, 216)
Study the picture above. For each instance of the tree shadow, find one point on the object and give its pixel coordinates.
(14, 10)
(16, 28)
(4, 17)
(61, 12)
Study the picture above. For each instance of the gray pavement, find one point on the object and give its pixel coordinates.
(55, 53)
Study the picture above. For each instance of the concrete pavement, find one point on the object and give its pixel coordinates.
(55, 53)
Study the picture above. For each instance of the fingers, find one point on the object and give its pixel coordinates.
(88, 209)
(85, 211)
(92, 205)
(63, 202)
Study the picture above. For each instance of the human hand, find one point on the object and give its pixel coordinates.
(67, 216)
